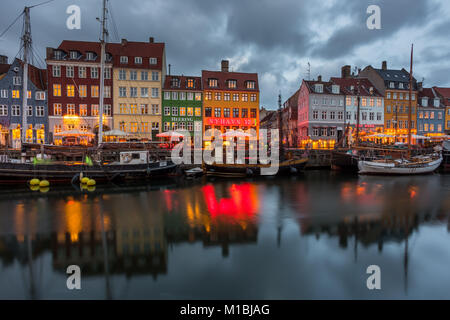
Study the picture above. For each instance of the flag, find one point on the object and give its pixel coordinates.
(89, 161)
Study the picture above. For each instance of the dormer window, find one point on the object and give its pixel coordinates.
(391, 85)
(212, 83)
(425, 102)
(108, 57)
(123, 59)
(73, 55)
(436, 103)
(90, 56)
(400, 85)
(58, 55)
(319, 88)
(138, 60)
(190, 83)
(153, 61)
(335, 89)
(175, 82)
(232, 84)
(250, 84)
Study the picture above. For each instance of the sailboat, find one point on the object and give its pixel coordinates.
(404, 166)
(132, 165)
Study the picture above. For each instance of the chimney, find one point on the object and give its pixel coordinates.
(225, 65)
(345, 72)
(384, 65)
(420, 86)
(151, 40)
(49, 52)
(319, 78)
(124, 42)
(169, 68)
(3, 59)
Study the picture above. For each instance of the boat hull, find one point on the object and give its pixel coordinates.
(228, 170)
(12, 173)
(370, 167)
(343, 161)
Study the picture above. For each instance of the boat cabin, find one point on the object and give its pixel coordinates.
(134, 157)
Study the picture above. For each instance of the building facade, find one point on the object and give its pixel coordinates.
(394, 86)
(430, 113)
(139, 72)
(320, 114)
(11, 100)
(371, 104)
(73, 71)
(230, 100)
(290, 120)
(182, 104)
(444, 95)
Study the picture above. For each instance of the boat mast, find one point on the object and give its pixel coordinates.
(410, 102)
(280, 127)
(102, 72)
(26, 43)
(358, 113)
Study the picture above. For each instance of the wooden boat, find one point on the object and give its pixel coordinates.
(346, 161)
(418, 165)
(293, 166)
(132, 166)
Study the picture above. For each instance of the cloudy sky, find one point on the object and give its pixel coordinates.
(275, 38)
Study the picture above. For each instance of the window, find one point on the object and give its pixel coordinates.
(226, 97)
(413, 96)
(107, 73)
(94, 73)
(182, 95)
(364, 102)
(144, 92)
(94, 110)
(340, 115)
(123, 59)
(82, 72)
(244, 97)
(167, 95)
(155, 92)
(90, 56)
(250, 84)
(122, 92)
(394, 96)
(133, 92)
(212, 83)
(174, 95)
(208, 112)
(217, 96)
(182, 125)
(436, 102)
(94, 91)
(190, 126)
(190, 96)
(155, 76)
(432, 127)
(388, 123)
(174, 111)
(122, 74)
(348, 101)
(439, 127)
(4, 93)
(190, 111)
(379, 102)
(3, 110)
(364, 116)
(166, 126)
(348, 115)
(335, 89)
(70, 90)
(182, 111)
(16, 81)
(400, 85)
(153, 61)
(83, 110)
(123, 108)
(324, 132)
(57, 109)
(231, 84)
(252, 113)
(69, 71)
(144, 108)
(425, 127)
(155, 126)
(144, 75)
(167, 111)
(226, 112)
(133, 75)
(253, 97)
(155, 109)
(190, 83)
(332, 132)
(371, 116)
(56, 71)
(217, 112)
(244, 113)
(372, 102)
(379, 116)
(198, 96)
(198, 112)
(318, 88)
(315, 132)
(208, 96)
(440, 115)
(39, 111)
(82, 91)
(107, 92)
(388, 95)
(144, 127)
(332, 115)
(40, 95)
(133, 108)
(324, 115)
(16, 94)
(235, 97)
(391, 85)
(388, 109)
(70, 109)
(235, 112)
(138, 60)
(432, 115)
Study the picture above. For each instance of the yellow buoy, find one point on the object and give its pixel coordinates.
(44, 189)
(34, 182)
(91, 182)
(44, 184)
(34, 188)
(85, 180)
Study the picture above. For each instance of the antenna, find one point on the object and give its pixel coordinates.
(308, 71)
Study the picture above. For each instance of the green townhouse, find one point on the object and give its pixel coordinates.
(182, 104)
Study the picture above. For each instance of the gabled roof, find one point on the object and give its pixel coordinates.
(327, 87)
(426, 93)
(36, 75)
(130, 49)
(444, 93)
(222, 77)
(183, 83)
(397, 77)
(346, 85)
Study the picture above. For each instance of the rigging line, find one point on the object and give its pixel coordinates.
(9, 27)
(115, 29)
(40, 4)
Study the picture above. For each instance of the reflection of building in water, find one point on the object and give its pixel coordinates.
(220, 215)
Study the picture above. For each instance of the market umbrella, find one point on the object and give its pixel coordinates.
(74, 132)
(115, 132)
(234, 133)
(169, 134)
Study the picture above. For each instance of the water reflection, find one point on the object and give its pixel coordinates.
(116, 237)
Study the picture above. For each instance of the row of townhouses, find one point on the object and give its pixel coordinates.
(140, 98)
(321, 112)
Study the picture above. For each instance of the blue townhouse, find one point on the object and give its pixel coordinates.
(11, 95)
(430, 113)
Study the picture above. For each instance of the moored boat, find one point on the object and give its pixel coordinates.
(418, 165)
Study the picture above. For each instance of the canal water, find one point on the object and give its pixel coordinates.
(306, 237)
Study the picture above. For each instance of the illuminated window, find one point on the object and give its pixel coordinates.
(155, 109)
(71, 109)
(57, 128)
(253, 97)
(232, 84)
(217, 112)
(94, 91)
(208, 96)
(133, 109)
(16, 94)
(226, 112)
(190, 111)
(226, 97)
(182, 111)
(364, 102)
(94, 110)
(133, 127)
(212, 83)
(198, 112)
(250, 84)
(123, 108)
(144, 126)
(190, 83)
(82, 91)
(144, 108)
(198, 96)
(235, 97)
(155, 126)
(244, 97)
(83, 110)
(217, 96)
(57, 109)
(372, 102)
(379, 102)
(348, 101)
